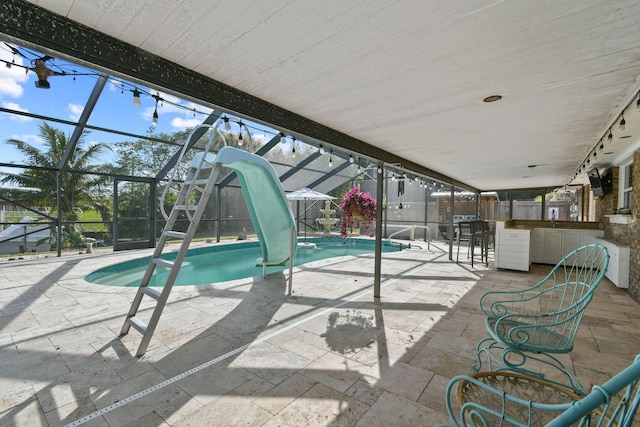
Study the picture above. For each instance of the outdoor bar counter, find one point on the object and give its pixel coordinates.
(522, 242)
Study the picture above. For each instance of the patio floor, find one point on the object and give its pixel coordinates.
(243, 353)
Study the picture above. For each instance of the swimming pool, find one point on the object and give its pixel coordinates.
(220, 263)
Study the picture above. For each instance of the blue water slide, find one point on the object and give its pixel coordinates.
(268, 206)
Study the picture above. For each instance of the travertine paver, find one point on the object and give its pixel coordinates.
(328, 355)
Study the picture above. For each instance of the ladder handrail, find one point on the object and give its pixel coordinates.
(183, 151)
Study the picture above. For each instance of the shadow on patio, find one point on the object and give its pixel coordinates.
(243, 353)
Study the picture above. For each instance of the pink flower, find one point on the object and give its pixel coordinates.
(357, 206)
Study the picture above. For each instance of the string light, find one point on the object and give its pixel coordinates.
(321, 149)
(136, 98)
(351, 159)
(293, 146)
(610, 136)
(155, 112)
(227, 125)
(240, 141)
(622, 123)
(638, 103)
(330, 158)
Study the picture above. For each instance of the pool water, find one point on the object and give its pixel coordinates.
(221, 263)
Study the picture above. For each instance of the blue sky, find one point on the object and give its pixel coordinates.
(66, 99)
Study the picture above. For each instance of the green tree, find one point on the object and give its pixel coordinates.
(77, 189)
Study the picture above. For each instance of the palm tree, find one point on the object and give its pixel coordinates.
(76, 188)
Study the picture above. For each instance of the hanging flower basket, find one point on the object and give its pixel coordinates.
(358, 210)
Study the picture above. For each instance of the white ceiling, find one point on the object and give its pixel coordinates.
(409, 76)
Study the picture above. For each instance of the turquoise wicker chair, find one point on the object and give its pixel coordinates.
(510, 399)
(535, 323)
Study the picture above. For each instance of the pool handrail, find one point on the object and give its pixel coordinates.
(411, 228)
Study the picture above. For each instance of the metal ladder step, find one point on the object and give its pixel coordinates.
(163, 262)
(186, 207)
(176, 234)
(137, 324)
(153, 293)
(197, 182)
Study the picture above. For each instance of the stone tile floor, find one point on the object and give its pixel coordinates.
(244, 353)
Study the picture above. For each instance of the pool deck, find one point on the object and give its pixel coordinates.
(244, 353)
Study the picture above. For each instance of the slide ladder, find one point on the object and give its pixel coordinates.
(270, 213)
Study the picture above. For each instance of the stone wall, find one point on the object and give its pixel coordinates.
(628, 234)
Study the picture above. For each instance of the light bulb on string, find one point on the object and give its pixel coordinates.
(321, 149)
(227, 125)
(240, 141)
(351, 159)
(610, 136)
(638, 103)
(136, 98)
(330, 158)
(622, 123)
(283, 139)
(155, 114)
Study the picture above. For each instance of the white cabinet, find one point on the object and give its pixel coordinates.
(550, 245)
(618, 271)
(512, 249)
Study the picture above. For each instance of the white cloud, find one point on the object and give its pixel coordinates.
(181, 123)
(29, 138)
(16, 107)
(75, 111)
(11, 79)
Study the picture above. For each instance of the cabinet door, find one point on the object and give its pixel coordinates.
(552, 246)
(570, 241)
(537, 245)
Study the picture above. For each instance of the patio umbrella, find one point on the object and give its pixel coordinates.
(307, 194)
